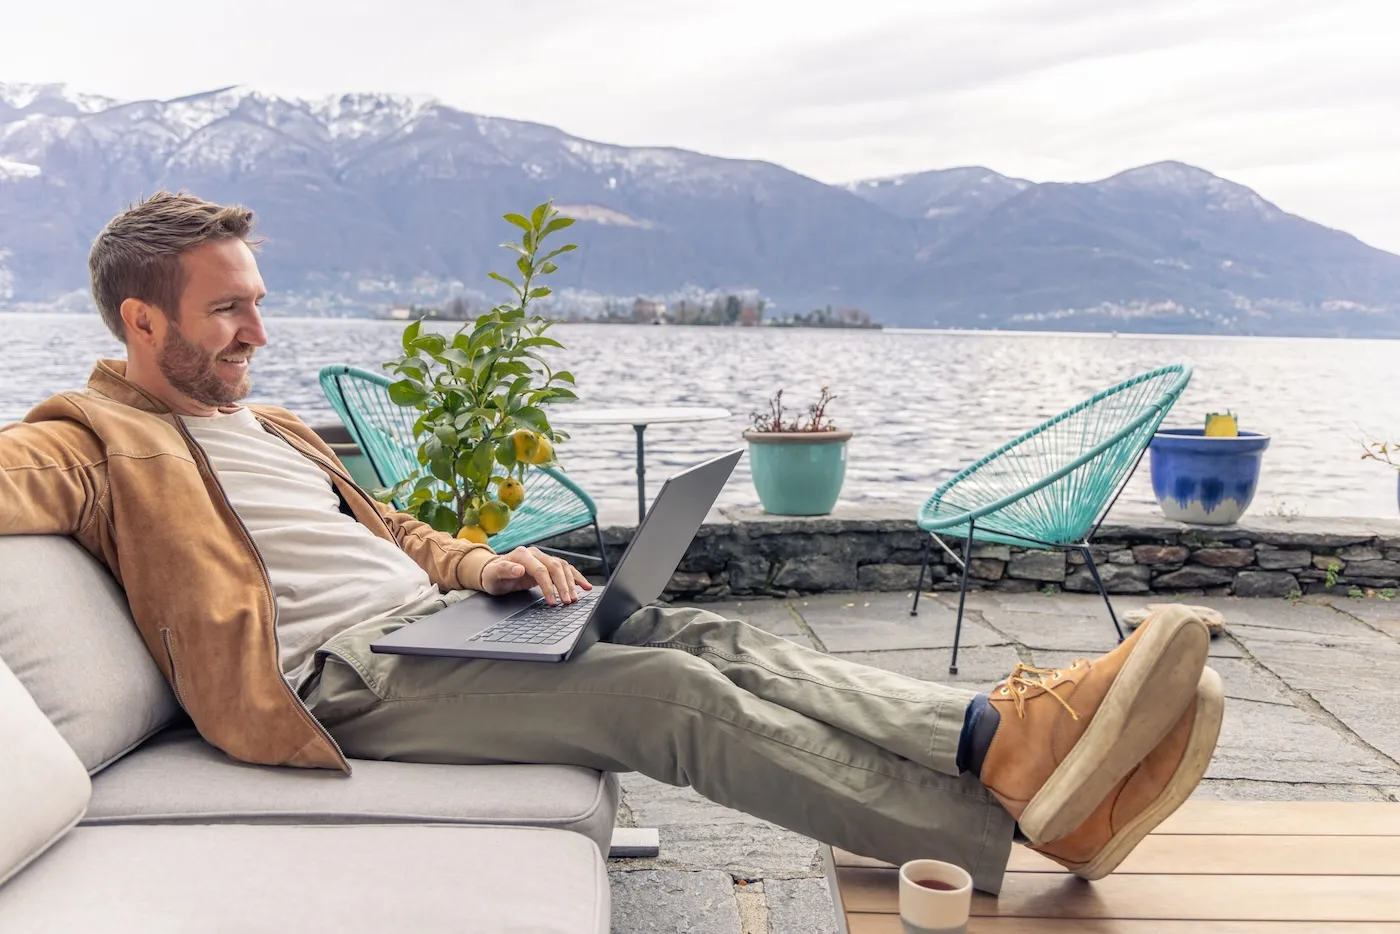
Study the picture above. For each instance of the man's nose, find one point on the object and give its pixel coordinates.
(252, 331)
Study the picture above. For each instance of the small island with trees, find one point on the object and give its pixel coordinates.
(726, 310)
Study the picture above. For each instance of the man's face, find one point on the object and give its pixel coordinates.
(207, 351)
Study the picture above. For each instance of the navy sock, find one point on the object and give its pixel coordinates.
(979, 726)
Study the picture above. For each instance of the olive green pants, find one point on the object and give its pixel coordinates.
(853, 756)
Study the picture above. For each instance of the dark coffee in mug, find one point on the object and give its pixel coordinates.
(936, 884)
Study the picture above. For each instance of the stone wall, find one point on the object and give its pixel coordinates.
(876, 548)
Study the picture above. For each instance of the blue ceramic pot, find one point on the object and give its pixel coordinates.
(1208, 481)
(797, 473)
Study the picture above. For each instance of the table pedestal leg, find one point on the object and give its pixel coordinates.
(641, 474)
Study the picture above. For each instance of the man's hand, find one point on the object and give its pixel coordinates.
(524, 568)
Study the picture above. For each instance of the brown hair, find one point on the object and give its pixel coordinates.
(137, 255)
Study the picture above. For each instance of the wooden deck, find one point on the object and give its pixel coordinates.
(1227, 867)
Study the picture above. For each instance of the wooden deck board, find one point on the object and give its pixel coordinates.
(1229, 867)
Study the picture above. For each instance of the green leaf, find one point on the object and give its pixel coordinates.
(559, 392)
(456, 356)
(446, 435)
(500, 278)
(517, 248)
(547, 268)
(483, 457)
(408, 392)
(463, 465)
(432, 343)
(537, 216)
(523, 264)
(444, 520)
(410, 333)
(410, 366)
(518, 221)
(540, 292)
(563, 249)
(505, 453)
(528, 241)
(559, 223)
(441, 468)
(532, 417)
(563, 376)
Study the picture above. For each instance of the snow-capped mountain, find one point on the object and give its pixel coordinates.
(368, 199)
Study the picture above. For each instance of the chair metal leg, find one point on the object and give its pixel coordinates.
(1094, 572)
(962, 596)
(923, 569)
(602, 550)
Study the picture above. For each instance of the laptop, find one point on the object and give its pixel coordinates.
(522, 627)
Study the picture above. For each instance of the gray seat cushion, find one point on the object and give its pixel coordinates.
(43, 786)
(66, 632)
(276, 879)
(179, 777)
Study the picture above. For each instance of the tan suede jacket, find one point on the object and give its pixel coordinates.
(113, 468)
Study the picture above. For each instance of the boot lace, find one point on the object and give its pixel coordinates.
(1024, 677)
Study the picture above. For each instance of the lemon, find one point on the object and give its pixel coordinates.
(543, 453)
(495, 516)
(1220, 425)
(511, 492)
(472, 533)
(526, 443)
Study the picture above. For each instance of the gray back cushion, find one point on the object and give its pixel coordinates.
(43, 787)
(66, 633)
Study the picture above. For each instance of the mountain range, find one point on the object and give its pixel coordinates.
(369, 200)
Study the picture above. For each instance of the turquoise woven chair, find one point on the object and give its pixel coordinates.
(553, 504)
(1052, 486)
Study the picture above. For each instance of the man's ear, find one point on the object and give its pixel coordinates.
(139, 318)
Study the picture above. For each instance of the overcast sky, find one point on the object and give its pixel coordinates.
(1299, 99)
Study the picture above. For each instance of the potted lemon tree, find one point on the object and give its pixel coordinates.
(482, 395)
(798, 465)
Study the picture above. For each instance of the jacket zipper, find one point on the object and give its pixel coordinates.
(174, 674)
(202, 462)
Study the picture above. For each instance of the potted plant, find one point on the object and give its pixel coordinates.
(1207, 475)
(1384, 451)
(798, 466)
(482, 394)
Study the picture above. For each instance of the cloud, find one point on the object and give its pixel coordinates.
(1298, 98)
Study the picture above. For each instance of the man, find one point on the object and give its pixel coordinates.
(258, 573)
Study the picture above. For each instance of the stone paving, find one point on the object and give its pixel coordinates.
(1313, 690)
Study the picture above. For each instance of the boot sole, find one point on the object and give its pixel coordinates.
(1149, 695)
(1210, 710)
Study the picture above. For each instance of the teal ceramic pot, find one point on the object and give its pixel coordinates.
(798, 473)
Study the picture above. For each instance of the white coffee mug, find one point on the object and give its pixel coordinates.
(923, 910)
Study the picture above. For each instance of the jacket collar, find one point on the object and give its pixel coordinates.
(109, 379)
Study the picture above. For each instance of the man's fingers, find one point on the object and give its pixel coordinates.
(540, 572)
(560, 580)
(578, 577)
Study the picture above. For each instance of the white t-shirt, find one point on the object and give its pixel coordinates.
(328, 571)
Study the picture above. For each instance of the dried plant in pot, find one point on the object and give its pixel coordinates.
(798, 464)
(1388, 453)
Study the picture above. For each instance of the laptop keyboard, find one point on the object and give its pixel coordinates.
(540, 623)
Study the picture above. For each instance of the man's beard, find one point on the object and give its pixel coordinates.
(192, 370)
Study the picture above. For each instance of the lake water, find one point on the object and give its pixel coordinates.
(923, 404)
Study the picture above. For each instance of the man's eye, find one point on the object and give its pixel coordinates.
(223, 308)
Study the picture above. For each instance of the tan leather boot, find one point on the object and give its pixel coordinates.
(1150, 793)
(1068, 736)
